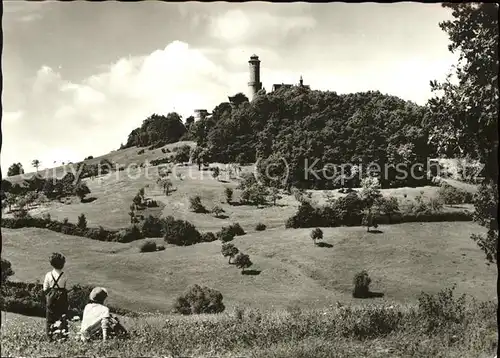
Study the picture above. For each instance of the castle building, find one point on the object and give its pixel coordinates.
(254, 84)
(283, 85)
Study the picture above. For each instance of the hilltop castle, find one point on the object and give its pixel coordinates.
(254, 85)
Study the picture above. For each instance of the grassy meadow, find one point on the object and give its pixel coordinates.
(293, 272)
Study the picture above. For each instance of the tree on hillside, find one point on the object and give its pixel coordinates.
(195, 205)
(465, 114)
(196, 156)
(137, 200)
(141, 193)
(166, 185)
(11, 199)
(81, 190)
(189, 122)
(35, 163)
(370, 194)
(82, 222)
(182, 154)
(229, 250)
(216, 173)
(157, 129)
(242, 261)
(316, 234)
(229, 195)
(274, 194)
(15, 169)
(217, 211)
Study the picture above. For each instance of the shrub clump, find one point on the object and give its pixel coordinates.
(451, 195)
(148, 246)
(196, 205)
(229, 195)
(6, 270)
(82, 222)
(182, 154)
(130, 234)
(180, 232)
(260, 227)
(152, 227)
(225, 234)
(208, 237)
(361, 285)
(236, 229)
(316, 234)
(199, 299)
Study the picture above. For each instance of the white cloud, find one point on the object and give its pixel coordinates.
(236, 26)
(69, 121)
(12, 116)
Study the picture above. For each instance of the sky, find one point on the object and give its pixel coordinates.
(79, 76)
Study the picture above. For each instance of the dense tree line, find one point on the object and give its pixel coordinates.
(317, 127)
(157, 130)
(464, 120)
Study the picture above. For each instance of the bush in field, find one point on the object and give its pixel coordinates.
(208, 237)
(316, 234)
(6, 270)
(388, 206)
(260, 227)
(180, 232)
(152, 227)
(435, 205)
(217, 211)
(196, 205)
(229, 195)
(441, 309)
(182, 154)
(229, 250)
(166, 185)
(486, 215)
(453, 196)
(247, 180)
(306, 216)
(160, 247)
(140, 152)
(216, 172)
(82, 222)
(225, 234)
(255, 195)
(130, 234)
(361, 285)
(236, 229)
(148, 246)
(199, 299)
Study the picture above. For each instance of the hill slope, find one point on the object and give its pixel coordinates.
(293, 271)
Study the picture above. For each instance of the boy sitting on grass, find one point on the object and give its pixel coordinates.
(97, 321)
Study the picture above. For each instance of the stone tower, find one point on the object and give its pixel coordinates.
(254, 85)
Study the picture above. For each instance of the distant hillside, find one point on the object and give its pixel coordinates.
(122, 157)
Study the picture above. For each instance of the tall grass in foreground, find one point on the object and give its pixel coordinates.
(441, 326)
